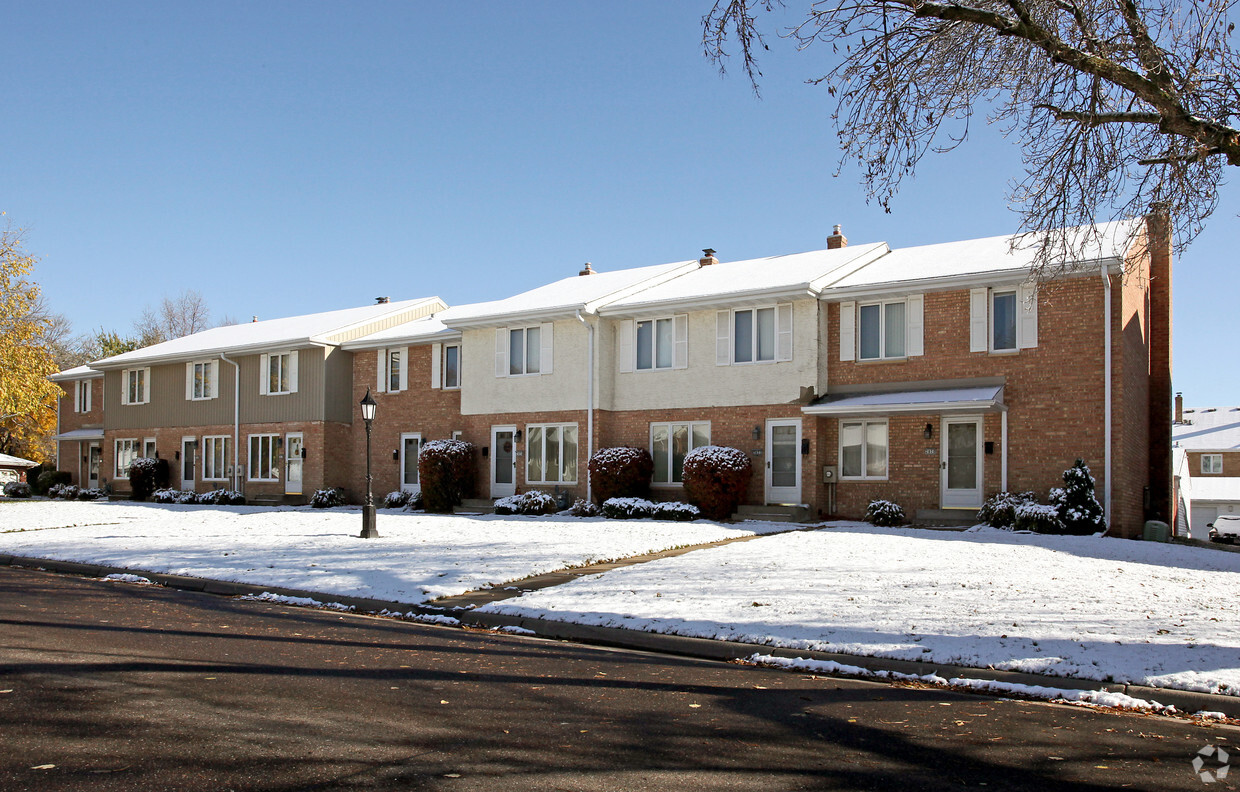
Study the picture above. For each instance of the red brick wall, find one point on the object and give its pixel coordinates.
(1231, 462)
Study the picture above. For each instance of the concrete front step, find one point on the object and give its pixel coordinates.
(773, 513)
(963, 518)
(475, 506)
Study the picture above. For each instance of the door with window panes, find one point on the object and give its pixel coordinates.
(783, 461)
(410, 444)
(960, 462)
(294, 462)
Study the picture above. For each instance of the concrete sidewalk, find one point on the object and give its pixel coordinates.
(461, 608)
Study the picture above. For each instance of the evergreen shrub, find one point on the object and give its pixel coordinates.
(716, 478)
(884, 513)
(620, 472)
(447, 471)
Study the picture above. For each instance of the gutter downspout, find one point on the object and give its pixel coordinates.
(1106, 334)
(236, 416)
(589, 400)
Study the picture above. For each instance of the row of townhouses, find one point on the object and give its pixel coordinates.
(932, 376)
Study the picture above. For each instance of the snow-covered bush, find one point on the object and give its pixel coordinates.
(1077, 507)
(446, 469)
(227, 497)
(620, 473)
(1037, 518)
(583, 508)
(531, 503)
(91, 493)
(626, 508)
(17, 489)
(64, 491)
(397, 499)
(884, 513)
(677, 511)
(327, 498)
(48, 479)
(147, 475)
(416, 502)
(999, 511)
(716, 478)
(165, 495)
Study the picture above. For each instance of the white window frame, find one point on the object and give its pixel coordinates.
(524, 369)
(657, 323)
(447, 384)
(1211, 464)
(286, 368)
(503, 350)
(126, 448)
(865, 425)
(135, 386)
(725, 335)
(542, 454)
(81, 396)
(202, 380)
(272, 452)
(670, 427)
(982, 318)
(206, 453)
(755, 340)
(995, 294)
(148, 448)
(393, 380)
(882, 305)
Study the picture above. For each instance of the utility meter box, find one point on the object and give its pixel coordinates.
(830, 473)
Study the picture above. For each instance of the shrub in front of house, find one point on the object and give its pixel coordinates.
(531, 503)
(227, 497)
(1037, 518)
(446, 469)
(48, 479)
(327, 498)
(147, 475)
(999, 511)
(626, 508)
(1075, 503)
(676, 511)
(716, 478)
(583, 508)
(416, 502)
(620, 472)
(63, 491)
(90, 493)
(397, 499)
(884, 513)
(165, 495)
(17, 489)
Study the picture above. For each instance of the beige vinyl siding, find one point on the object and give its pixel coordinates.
(385, 323)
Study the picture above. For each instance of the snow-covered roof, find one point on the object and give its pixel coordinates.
(80, 434)
(7, 460)
(731, 282)
(1216, 488)
(948, 261)
(1208, 429)
(425, 330)
(885, 402)
(319, 328)
(563, 297)
(76, 373)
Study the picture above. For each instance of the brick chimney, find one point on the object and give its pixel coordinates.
(708, 258)
(381, 301)
(1179, 408)
(836, 240)
(587, 270)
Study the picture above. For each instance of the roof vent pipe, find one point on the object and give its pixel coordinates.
(253, 318)
(708, 258)
(382, 300)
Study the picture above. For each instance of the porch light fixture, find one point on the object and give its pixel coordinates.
(368, 405)
(928, 432)
(757, 433)
(517, 437)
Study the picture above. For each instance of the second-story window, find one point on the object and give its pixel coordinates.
(81, 396)
(655, 344)
(452, 366)
(135, 386)
(1211, 464)
(881, 330)
(754, 336)
(200, 380)
(524, 351)
(395, 359)
(1003, 321)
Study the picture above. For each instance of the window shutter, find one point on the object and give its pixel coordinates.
(292, 371)
(680, 358)
(544, 335)
(383, 378)
(848, 331)
(501, 352)
(404, 368)
(914, 326)
(124, 386)
(783, 331)
(1027, 324)
(215, 378)
(436, 361)
(723, 338)
(978, 324)
(624, 344)
(189, 380)
(146, 385)
(264, 375)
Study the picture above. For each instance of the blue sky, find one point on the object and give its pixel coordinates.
(285, 158)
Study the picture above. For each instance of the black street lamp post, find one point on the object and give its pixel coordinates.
(369, 531)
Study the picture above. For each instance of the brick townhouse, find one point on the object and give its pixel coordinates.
(1206, 452)
(933, 376)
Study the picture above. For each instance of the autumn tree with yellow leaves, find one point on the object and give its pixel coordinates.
(27, 397)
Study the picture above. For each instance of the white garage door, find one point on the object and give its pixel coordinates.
(7, 475)
(1203, 516)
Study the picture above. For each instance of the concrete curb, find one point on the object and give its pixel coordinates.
(1184, 701)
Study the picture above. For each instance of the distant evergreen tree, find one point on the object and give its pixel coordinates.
(1079, 510)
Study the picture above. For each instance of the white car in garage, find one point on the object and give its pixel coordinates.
(1225, 528)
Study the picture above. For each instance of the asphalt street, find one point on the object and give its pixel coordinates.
(109, 686)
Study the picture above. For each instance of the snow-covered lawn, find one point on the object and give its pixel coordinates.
(1135, 612)
(418, 557)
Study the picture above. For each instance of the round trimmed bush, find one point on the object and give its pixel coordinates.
(716, 478)
(147, 475)
(397, 499)
(532, 503)
(677, 511)
(17, 489)
(446, 469)
(322, 499)
(884, 513)
(583, 508)
(1037, 518)
(626, 508)
(620, 472)
(999, 511)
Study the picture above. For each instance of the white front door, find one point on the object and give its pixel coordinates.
(503, 461)
(783, 461)
(95, 457)
(410, 444)
(294, 461)
(189, 462)
(960, 463)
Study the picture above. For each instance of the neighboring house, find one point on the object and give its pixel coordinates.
(14, 468)
(262, 407)
(1206, 441)
(79, 425)
(933, 376)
